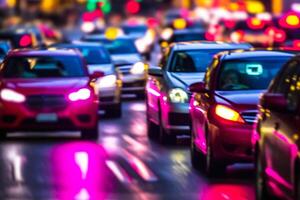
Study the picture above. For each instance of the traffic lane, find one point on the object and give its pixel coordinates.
(123, 164)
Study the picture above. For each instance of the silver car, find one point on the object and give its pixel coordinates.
(109, 86)
(127, 60)
(167, 96)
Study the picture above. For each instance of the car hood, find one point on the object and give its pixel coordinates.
(126, 58)
(43, 86)
(186, 79)
(242, 99)
(106, 68)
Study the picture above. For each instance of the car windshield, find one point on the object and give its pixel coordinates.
(134, 29)
(120, 46)
(184, 37)
(95, 55)
(43, 67)
(193, 60)
(249, 74)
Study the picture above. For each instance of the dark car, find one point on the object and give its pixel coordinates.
(109, 86)
(44, 90)
(127, 59)
(167, 87)
(276, 137)
(223, 108)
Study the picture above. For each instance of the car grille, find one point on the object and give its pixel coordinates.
(46, 102)
(249, 116)
(125, 70)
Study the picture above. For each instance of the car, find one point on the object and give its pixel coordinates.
(128, 60)
(109, 86)
(47, 90)
(167, 98)
(276, 136)
(4, 48)
(181, 35)
(223, 107)
(19, 37)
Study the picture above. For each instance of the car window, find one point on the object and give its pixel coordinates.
(248, 74)
(95, 55)
(43, 67)
(121, 46)
(193, 60)
(289, 84)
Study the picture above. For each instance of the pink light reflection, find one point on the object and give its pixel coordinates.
(79, 170)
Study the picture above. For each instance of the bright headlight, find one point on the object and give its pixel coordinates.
(108, 81)
(178, 95)
(11, 95)
(138, 68)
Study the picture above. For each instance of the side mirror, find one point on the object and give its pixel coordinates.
(155, 71)
(274, 101)
(198, 88)
(97, 74)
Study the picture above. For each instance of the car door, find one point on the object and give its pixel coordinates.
(280, 129)
(154, 87)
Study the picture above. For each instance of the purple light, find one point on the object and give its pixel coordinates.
(82, 94)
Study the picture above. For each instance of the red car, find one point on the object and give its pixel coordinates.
(43, 90)
(223, 108)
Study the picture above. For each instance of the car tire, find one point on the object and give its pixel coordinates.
(152, 129)
(3, 135)
(197, 158)
(261, 189)
(90, 134)
(213, 167)
(114, 111)
(164, 137)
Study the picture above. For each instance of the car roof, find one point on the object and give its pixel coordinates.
(180, 46)
(233, 55)
(43, 52)
(78, 44)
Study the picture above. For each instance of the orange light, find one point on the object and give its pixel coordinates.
(255, 23)
(228, 114)
(179, 23)
(290, 20)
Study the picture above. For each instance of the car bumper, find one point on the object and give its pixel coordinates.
(75, 116)
(109, 97)
(133, 83)
(176, 118)
(232, 143)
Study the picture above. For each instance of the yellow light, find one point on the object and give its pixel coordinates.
(255, 21)
(228, 113)
(164, 44)
(112, 33)
(11, 3)
(292, 20)
(234, 6)
(255, 7)
(179, 23)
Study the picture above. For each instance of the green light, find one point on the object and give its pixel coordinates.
(106, 8)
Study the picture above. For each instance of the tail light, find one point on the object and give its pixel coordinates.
(255, 23)
(296, 43)
(290, 20)
(278, 35)
(82, 94)
(25, 40)
(227, 113)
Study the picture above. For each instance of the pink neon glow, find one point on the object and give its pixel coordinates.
(152, 91)
(79, 171)
(82, 94)
(273, 174)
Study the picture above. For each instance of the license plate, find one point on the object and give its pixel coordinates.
(46, 117)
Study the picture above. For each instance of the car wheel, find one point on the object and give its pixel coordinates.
(114, 111)
(151, 129)
(197, 158)
(90, 134)
(214, 168)
(164, 137)
(261, 190)
(3, 135)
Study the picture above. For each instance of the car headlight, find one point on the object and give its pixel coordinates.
(108, 81)
(138, 68)
(11, 95)
(178, 95)
(82, 94)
